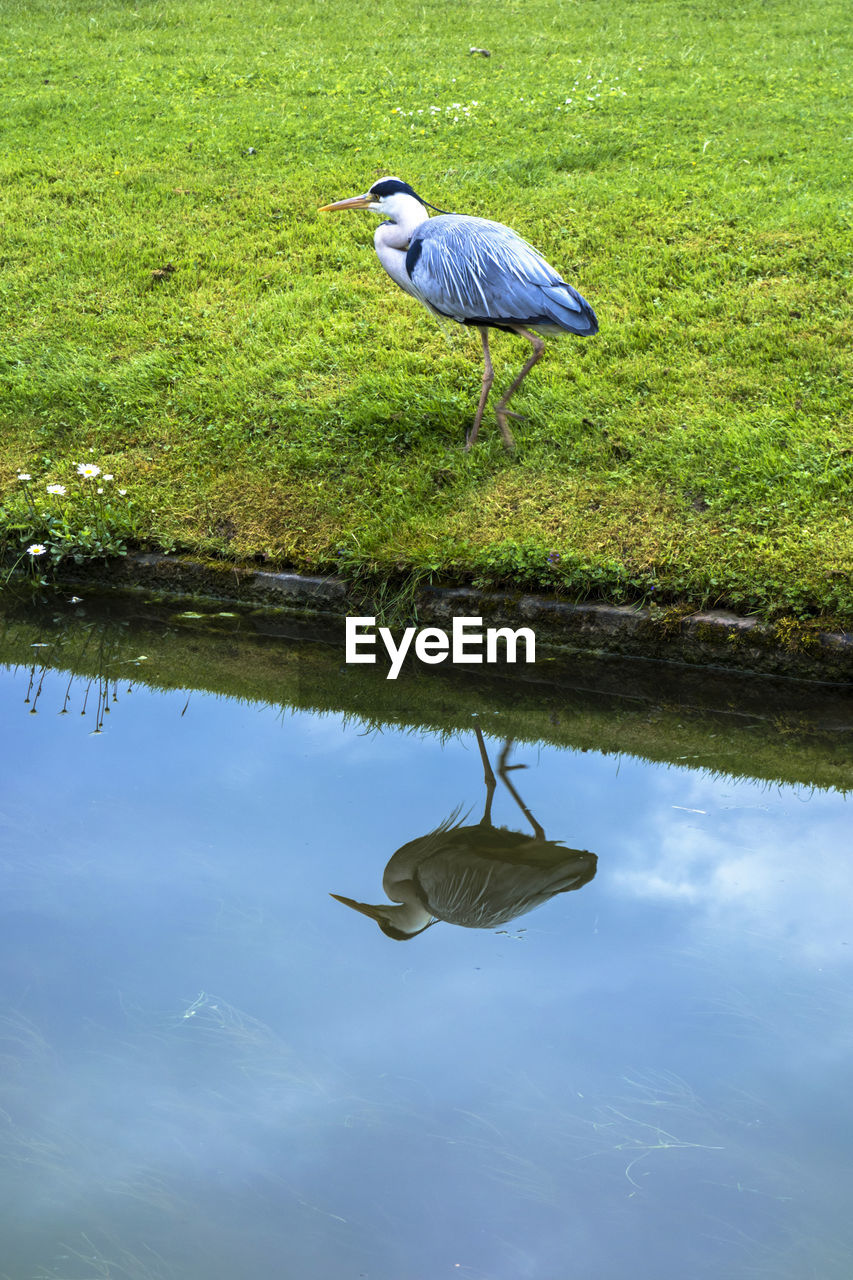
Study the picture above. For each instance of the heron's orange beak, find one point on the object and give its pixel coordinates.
(375, 913)
(354, 202)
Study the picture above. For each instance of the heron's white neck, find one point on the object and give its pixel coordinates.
(391, 239)
(408, 917)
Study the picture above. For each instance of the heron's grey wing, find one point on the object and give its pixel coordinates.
(487, 877)
(481, 272)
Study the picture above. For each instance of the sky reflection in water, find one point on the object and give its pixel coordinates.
(212, 1069)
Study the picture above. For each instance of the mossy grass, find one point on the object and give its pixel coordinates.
(177, 312)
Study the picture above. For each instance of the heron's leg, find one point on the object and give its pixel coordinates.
(501, 407)
(488, 379)
(488, 778)
(503, 770)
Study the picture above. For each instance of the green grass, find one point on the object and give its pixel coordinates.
(275, 395)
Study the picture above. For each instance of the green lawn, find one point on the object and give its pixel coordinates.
(684, 164)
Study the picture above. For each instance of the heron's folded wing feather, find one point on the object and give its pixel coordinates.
(489, 876)
(477, 271)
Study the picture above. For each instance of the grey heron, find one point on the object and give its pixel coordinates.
(479, 876)
(476, 272)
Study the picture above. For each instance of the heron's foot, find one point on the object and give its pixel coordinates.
(473, 432)
(503, 766)
(510, 413)
(509, 443)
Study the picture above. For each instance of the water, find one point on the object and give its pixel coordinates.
(210, 1068)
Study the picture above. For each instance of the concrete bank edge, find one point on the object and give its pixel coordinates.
(710, 638)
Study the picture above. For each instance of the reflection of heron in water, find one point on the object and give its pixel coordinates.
(478, 876)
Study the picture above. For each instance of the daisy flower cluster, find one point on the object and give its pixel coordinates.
(88, 471)
(84, 470)
(588, 90)
(79, 518)
(453, 114)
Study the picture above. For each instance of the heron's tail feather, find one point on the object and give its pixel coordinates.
(570, 310)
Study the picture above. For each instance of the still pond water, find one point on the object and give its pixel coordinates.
(211, 1068)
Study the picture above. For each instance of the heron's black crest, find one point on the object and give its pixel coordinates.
(390, 187)
(394, 186)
